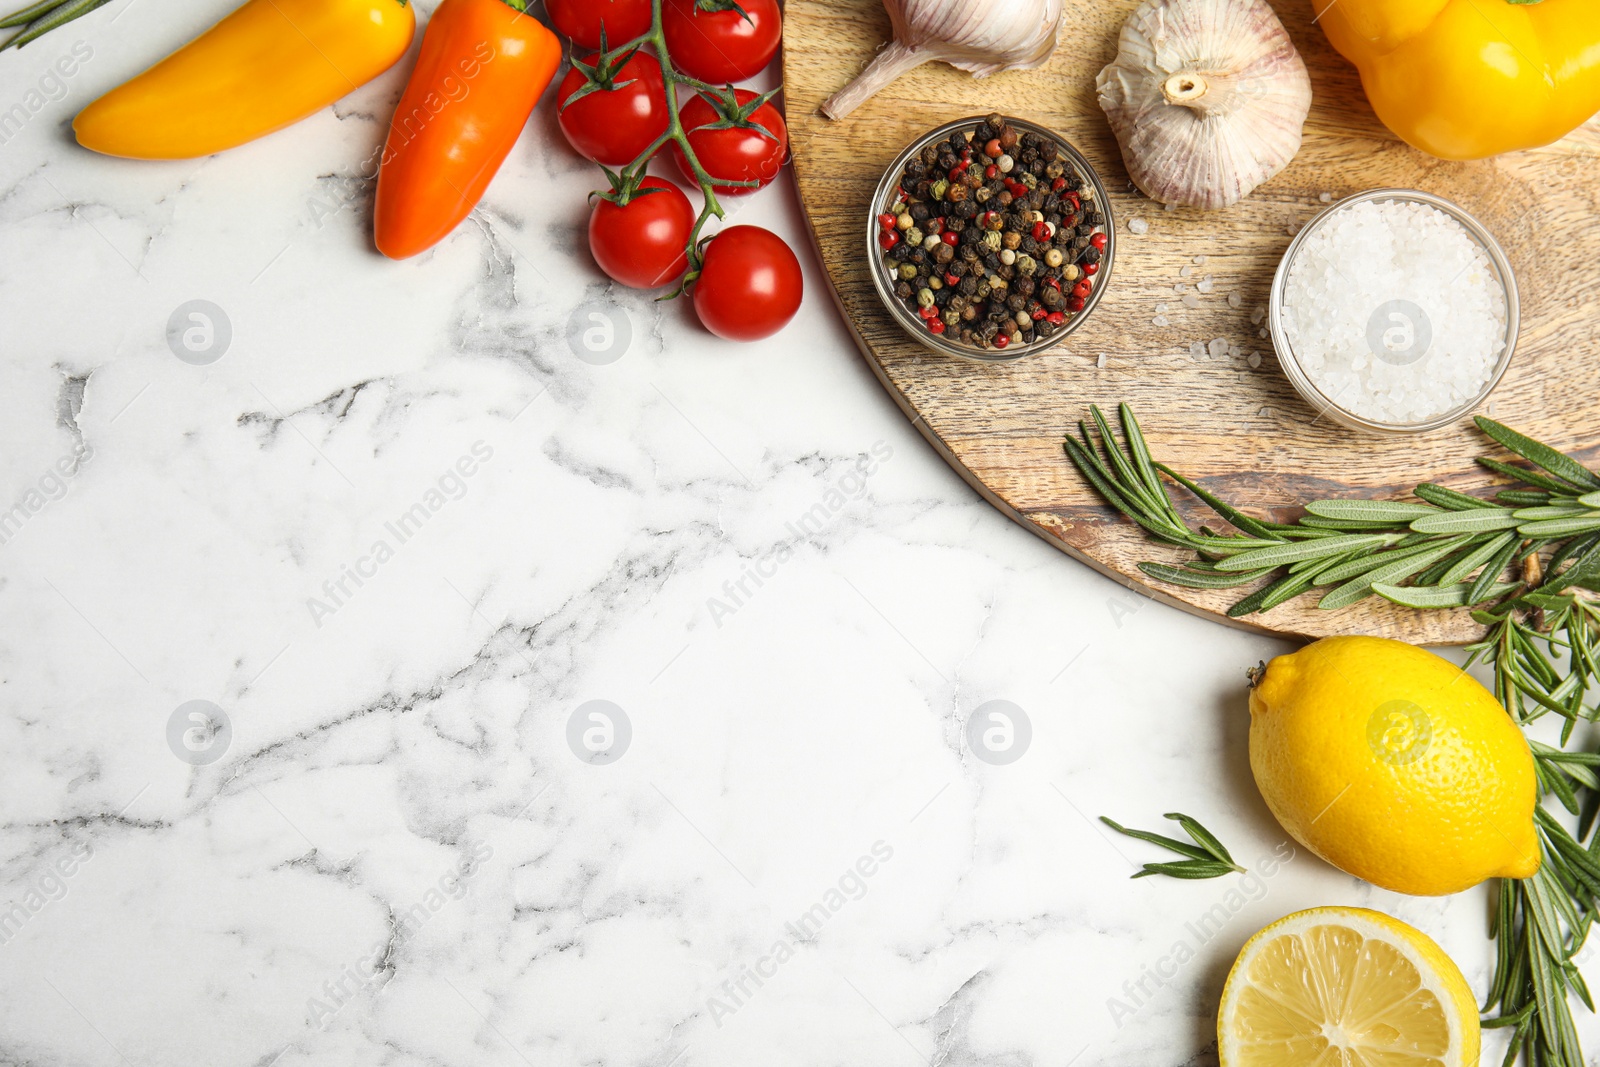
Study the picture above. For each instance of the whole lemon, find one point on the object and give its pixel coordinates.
(1394, 765)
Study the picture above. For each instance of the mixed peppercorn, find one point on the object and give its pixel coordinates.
(993, 238)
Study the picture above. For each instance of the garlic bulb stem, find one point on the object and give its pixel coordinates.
(981, 37)
(893, 61)
(1204, 94)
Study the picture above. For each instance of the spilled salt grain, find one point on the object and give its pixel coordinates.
(1184, 272)
(1219, 347)
(1412, 334)
(1206, 284)
(1100, 360)
(1263, 333)
(1180, 287)
(1234, 351)
(1190, 300)
(1159, 320)
(1326, 198)
(1254, 359)
(1235, 300)
(1199, 261)
(1138, 226)
(1160, 308)
(1257, 315)
(1197, 349)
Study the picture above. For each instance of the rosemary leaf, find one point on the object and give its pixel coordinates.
(1181, 847)
(1278, 555)
(1203, 837)
(1437, 596)
(1477, 520)
(1476, 558)
(1578, 524)
(1193, 869)
(1491, 573)
(1373, 563)
(1255, 527)
(1563, 467)
(1201, 579)
(1449, 499)
(1395, 512)
(1397, 570)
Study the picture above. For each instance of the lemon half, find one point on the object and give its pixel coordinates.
(1345, 987)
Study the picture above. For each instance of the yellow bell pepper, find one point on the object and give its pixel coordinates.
(1465, 79)
(269, 64)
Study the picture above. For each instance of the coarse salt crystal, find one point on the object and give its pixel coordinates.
(1326, 198)
(1138, 226)
(1159, 320)
(1219, 347)
(1184, 272)
(1235, 300)
(1254, 359)
(1206, 284)
(1100, 360)
(1190, 300)
(1180, 287)
(1160, 308)
(1197, 349)
(1199, 261)
(1257, 315)
(1415, 332)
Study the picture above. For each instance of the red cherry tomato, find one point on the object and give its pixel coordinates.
(613, 126)
(721, 47)
(581, 20)
(643, 245)
(738, 154)
(749, 286)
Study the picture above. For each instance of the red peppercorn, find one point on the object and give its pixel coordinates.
(886, 221)
(1091, 268)
(1041, 231)
(935, 326)
(1058, 185)
(1054, 283)
(1099, 241)
(949, 238)
(1000, 339)
(1083, 289)
(1055, 318)
(1072, 198)
(992, 149)
(1074, 303)
(990, 171)
(1039, 313)
(956, 173)
(887, 239)
(927, 313)
(951, 280)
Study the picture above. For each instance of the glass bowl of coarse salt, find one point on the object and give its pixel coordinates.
(1394, 310)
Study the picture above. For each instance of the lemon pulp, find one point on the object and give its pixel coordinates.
(1346, 987)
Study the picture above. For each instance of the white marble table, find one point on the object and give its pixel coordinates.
(393, 855)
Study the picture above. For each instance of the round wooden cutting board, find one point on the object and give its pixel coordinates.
(1241, 432)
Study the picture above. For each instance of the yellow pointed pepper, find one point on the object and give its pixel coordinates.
(1465, 79)
(269, 64)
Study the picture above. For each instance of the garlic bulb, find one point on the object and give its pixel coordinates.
(981, 37)
(1207, 99)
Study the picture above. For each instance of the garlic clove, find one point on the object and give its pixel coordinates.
(981, 37)
(1207, 99)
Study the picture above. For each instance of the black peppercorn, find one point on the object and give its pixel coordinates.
(1091, 254)
(920, 213)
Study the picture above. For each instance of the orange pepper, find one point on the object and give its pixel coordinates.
(266, 66)
(483, 67)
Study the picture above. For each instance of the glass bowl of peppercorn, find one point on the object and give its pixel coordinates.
(991, 238)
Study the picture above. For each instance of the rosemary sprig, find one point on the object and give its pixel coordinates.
(1445, 549)
(1542, 638)
(1207, 858)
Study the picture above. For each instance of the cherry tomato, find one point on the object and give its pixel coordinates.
(612, 126)
(721, 46)
(738, 154)
(749, 285)
(581, 20)
(644, 244)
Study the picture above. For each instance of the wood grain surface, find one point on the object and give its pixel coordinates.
(1243, 433)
